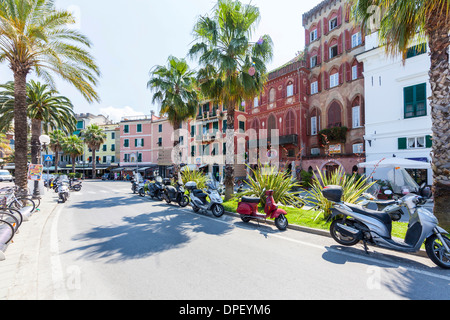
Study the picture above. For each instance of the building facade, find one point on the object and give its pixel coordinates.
(335, 89)
(397, 109)
(278, 116)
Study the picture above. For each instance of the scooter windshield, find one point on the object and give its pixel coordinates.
(401, 182)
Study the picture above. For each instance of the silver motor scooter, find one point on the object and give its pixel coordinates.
(199, 198)
(353, 223)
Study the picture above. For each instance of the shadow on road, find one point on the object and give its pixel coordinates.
(144, 235)
(406, 282)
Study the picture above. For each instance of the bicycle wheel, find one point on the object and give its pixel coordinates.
(10, 226)
(10, 219)
(23, 203)
(16, 213)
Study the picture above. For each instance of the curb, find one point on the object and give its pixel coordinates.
(326, 233)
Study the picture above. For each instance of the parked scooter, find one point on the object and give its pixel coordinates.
(136, 182)
(354, 223)
(248, 209)
(154, 189)
(175, 194)
(199, 198)
(63, 190)
(74, 185)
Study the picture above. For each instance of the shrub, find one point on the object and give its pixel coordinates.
(353, 187)
(193, 175)
(267, 178)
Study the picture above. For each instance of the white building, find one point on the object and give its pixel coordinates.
(397, 111)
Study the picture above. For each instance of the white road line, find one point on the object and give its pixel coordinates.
(353, 255)
(56, 267)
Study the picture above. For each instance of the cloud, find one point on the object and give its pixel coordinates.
(116, 114)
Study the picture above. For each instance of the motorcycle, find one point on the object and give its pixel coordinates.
(74, 185)
(153, 189)
(175, 194)
(63, 190)
(354, 223)
(199, 198)
(136, 182)
(248, 209)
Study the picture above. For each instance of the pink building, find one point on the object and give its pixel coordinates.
(146, 144)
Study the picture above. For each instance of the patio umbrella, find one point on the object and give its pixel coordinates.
(396, 162)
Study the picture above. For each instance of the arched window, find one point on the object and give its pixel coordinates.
(334, 115)
(272, 95)
(271, 125)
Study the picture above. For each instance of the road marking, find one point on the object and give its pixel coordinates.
(353, 255)
(56, 266)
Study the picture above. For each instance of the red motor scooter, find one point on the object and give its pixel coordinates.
(248, 209)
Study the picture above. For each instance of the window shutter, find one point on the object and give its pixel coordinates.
(341, 74)
(326, 80)
(421, 90)
(348, 40)
(429, 141)
(319, 55)
(340, 44)
(319, 82)
(348, 72)
(360, 69)
(135, 142)
(325, 51)
(319, 29)
(402, 143)
(339, 17)
(325, 25)
(307, 37)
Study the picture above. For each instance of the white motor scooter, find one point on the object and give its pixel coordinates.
(199, 198)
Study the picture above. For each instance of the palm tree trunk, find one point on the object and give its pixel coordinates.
(230, 158)
(73, 164)
(56, 161)
(20, 129)
(438, 38)
(94, 164)
(176, 149)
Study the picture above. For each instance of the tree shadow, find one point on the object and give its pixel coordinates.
(145, 235)
(407, 278)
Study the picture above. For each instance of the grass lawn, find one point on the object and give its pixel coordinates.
(310, 219)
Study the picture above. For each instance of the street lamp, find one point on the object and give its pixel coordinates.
(45, 141)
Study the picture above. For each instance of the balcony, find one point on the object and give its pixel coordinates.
(289, 139)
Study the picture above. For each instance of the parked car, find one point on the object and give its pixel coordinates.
(5, 175)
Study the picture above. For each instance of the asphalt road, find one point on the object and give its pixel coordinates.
(107, 243)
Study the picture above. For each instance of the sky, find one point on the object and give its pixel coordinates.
(130, 37)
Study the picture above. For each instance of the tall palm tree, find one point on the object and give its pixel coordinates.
(56, 144)
(174, 88)
(43, 106)
(233, 69)
(35, 36)
(400, 25)
(73, 147)
(94, 137)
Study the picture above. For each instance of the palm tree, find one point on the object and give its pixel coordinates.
(94, 137)
(56, 144)
(233, 69)
(400, 25)
(35, 36)
(43, 106)
(174, 88)
(73, 146)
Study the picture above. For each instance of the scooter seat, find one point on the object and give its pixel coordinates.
(382, 216)
(199, 193)
(250, 200)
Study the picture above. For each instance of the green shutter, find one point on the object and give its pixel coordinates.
(429, 141)
(402, 143)
(126, 143)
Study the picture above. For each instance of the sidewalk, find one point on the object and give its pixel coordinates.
(28, 254)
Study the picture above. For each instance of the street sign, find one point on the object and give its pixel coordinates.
(48, 157)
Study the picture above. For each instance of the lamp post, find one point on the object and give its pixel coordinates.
(45, 141)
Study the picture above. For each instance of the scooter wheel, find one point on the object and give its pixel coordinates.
(218, 210)
(141, 192)
(281, 222)
(245, 219)
(196, 209)
(184, 201)
(340, 238)
(436, 251)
